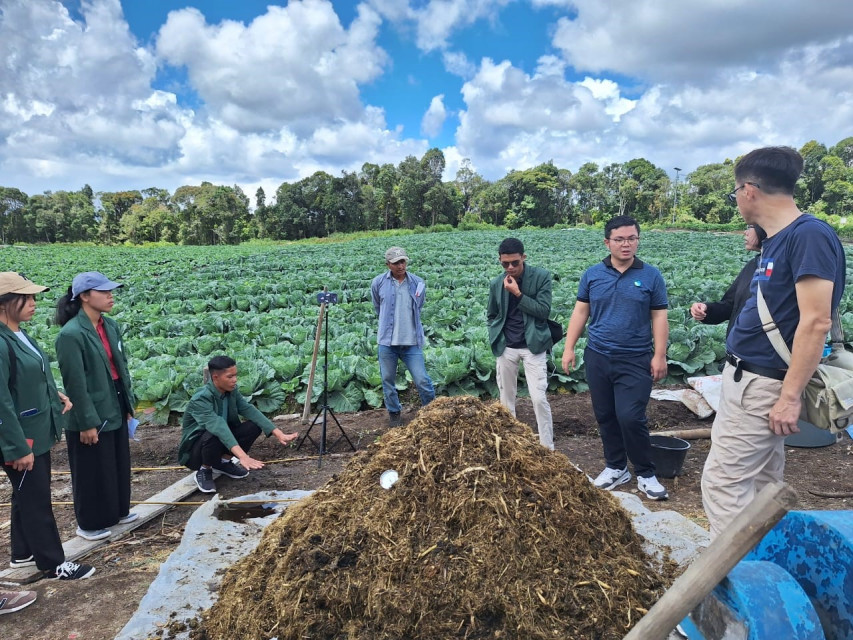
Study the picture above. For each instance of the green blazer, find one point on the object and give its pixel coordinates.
(209, 410)
(34, 395)
(535, 305)
(86, 373)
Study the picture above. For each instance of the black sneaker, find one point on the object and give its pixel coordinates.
(72, 571)
(231, 469)
(204, 480)
(394, 419)
(18, 563)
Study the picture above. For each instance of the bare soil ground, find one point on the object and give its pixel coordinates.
(97, 608)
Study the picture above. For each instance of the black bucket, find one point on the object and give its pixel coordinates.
(668, 455)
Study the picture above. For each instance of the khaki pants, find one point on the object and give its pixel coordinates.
(745, 454)
(536, 373)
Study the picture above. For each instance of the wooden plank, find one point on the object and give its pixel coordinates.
(78, 547)
(685, 434)
(724, 552)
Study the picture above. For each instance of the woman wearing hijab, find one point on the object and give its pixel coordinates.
(94, 369)
(31, 419)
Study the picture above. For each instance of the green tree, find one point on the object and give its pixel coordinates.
(532, 195)
(810, 185)
(385, 193)
(469, 183)
(113, 206)
(492, 203)
(12, 205)
(838, 189)
(642, 189)
(152, 220)
(587, 188)
(844, 150)
(706, 194)
(211, 214)
(410, 191)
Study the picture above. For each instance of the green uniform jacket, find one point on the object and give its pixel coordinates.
(204, 413)
(34, 394)
(535, 305)
(86, 373)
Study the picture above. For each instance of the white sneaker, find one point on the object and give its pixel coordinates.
(651, 488)
(130, 517)
(610, 478)
(94, 534)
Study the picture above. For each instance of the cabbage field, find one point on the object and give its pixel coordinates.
(257, 303)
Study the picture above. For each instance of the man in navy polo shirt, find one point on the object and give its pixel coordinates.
(625, 301)
(801, 275)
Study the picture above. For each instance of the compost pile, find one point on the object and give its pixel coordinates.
(486, 534)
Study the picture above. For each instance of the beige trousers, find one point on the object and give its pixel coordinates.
(745, 454)
(536, 374)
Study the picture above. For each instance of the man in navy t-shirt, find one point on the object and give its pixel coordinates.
(625, 301)
(801, 275)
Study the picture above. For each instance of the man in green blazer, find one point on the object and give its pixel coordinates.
(212, 431)
(518, 310)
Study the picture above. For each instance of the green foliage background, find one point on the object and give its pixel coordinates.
(257, 303)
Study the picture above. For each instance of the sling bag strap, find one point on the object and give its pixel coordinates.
(775, 336)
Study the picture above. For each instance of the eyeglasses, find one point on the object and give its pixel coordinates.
(733, 195)
(628, 240)
(510, 263)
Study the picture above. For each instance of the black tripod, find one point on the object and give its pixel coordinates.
(325, 410)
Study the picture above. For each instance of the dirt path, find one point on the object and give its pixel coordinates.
(99, 607)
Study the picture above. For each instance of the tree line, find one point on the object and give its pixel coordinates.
(412, 194)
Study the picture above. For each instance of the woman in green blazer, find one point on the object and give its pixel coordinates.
(31, 419)
(94, 369)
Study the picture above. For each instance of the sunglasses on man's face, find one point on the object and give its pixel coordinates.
(506, 264)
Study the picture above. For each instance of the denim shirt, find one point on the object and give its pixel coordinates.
(383, 294)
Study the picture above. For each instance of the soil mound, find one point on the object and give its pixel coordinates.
(486, 534)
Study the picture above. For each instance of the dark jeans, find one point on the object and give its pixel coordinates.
(208, 449)
(33, 529)
(620, 387)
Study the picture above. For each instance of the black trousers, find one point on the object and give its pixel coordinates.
(100, 476)
(33, 528)
(620, 387)
(208, 449)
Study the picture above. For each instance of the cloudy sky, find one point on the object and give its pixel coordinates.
(143, 93)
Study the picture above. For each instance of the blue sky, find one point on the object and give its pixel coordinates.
(142, 93)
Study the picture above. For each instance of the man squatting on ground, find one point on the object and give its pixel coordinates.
(517, 313)
(398, 297)
(212, 431)
(801, 274)
(625, 353)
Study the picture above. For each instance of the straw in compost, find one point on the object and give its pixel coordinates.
(486, 534)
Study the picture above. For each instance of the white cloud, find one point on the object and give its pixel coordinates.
(516, 120)
(608, 92)
(434, 117)
(279, 98)
(294, 65)
(457, 63)
(693, 39)
(436, 20)
(72, 92)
